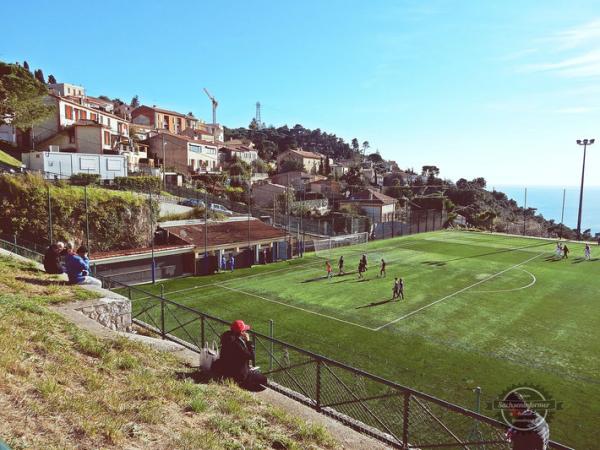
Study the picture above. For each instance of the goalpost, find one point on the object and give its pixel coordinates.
(325, 248)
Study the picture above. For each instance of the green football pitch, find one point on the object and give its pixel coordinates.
(479, 310)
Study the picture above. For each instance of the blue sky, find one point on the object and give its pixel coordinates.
(493, 89)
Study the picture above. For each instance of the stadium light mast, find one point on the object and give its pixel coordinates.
(585, 143)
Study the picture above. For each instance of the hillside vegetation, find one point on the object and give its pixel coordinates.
(62, 388)
(117, 219)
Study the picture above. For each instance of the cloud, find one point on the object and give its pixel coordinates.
(585, 65)
(575, 110)
(578, 36)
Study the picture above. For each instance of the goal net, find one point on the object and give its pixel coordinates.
(330, 247)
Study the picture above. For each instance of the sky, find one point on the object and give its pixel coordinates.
(494, 89)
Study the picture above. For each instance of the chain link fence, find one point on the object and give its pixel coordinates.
(397, 415)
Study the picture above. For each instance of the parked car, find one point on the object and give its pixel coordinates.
(193, 203)
(215, 207)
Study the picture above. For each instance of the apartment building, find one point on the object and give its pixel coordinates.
(163, 119)
(183, 153)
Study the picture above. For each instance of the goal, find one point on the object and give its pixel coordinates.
(326, 248)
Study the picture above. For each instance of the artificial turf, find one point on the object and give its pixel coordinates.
(480, 310)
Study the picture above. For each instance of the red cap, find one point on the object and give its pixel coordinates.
(239, 326)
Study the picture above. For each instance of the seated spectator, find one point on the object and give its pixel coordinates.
(52, 258)
(236, 354)
(78, 268)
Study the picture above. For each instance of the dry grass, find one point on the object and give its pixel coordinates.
(62, 388)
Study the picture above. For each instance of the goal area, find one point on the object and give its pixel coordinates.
(326, 248)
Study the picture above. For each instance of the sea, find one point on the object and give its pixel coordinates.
(548, 201)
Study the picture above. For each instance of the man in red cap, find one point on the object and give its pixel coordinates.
(236, 353)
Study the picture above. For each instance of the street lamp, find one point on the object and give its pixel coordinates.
(585, 143)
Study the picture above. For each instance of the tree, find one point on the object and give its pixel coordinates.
(105, 98)
(291, 165)
(327, 167)
(51, 79)
(479, 182)
(39, 75)
(26, 66)
(21, 97)
(135, 102)
(353, 178)
(428, 171)
(355, 146)
(375, 157)
(462, 183)
(365, 147)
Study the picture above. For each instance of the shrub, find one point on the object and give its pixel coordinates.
(138, 184)
(84, 179)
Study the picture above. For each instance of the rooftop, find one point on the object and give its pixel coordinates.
(229, 233)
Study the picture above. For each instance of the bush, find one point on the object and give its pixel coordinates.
(138, 184)
(84, 179)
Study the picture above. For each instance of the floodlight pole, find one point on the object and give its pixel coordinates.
(525, 214)
(585, 143)
(562, 214)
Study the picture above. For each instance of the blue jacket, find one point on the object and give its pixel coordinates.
(75, 265)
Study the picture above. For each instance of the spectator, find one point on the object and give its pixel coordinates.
(236, 354)
(529, 431)
(78, 268)
(52, 263)
(231, 262)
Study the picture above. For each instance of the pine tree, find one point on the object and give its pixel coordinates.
(135, 102)
(39, 75)
(26, 65)
(51, 79)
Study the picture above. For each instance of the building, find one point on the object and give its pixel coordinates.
(329, 188)
(65, 129)
(8, 133)
(244, 153)
(163, 119)
(310, 201)
(296, 179)
(375, 205)
(135, 265)
(62, 165)
(183, 154)
(246, 238)
(67, 89)
(310, 160)
(264, 194)
(338, 170)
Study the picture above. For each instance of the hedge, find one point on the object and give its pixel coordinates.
(138, 184)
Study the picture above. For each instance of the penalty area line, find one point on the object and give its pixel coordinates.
(298, 308)
(458, 292)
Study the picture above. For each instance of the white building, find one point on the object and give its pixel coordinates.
(67, 89)
(54, 164)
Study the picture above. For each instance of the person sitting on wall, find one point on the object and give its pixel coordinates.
(236, 354)
(52, 263)
(78, 268)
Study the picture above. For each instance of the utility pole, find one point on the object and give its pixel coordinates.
(164, 165)
(525, 213)
(153, 270)
(585, 143)
(562, 215)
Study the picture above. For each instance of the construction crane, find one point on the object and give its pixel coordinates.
(215, 103)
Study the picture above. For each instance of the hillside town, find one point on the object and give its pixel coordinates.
(109, 139)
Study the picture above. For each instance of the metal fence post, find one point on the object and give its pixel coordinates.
(254, 347)
(15, 242)
(271, 326)
(406, 417)
(87, 219)
(162, 313)
(202, 332)
(129, 292)
(49, 215)
(318, 385)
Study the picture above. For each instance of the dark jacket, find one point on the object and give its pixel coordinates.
(77, 268)
(52, 262)
(236, 354)
(530, 432)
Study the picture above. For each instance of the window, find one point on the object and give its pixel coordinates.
(69, 91)
(94, 116)
(76, 114)
(108, 121)
(69, 112)
(106, 138)
(83, 115)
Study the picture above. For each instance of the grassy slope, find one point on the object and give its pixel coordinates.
(546, 334)
(60, 387)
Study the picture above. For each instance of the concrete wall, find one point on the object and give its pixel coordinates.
(63, 165)
(113, 313)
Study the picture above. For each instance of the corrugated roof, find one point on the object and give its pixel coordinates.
(227, 233)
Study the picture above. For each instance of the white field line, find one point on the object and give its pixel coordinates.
(298, 308)
(531, 283)
(458, 292)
